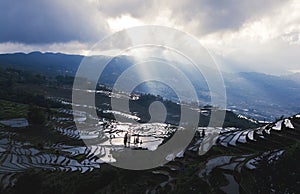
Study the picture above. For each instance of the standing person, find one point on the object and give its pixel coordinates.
(125, 138)
(129, 138)
(134, 140)
(203, 133)
(137, 139)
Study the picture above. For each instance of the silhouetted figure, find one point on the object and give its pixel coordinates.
(134, 141)
(125, 139)
(137, 140)
(129, 139)
(203, 133)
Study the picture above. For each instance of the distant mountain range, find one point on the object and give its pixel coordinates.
(45, 63)
(253, 94)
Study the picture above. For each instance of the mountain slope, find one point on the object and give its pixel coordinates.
(44, 63)
(253, 94)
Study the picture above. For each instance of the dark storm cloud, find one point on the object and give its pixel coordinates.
(40, 21)
(52, 21)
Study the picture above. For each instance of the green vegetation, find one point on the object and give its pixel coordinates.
(9, 110)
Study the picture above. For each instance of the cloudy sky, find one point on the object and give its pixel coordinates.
(242, 35)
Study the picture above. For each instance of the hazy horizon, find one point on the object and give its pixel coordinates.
(261, 36)
(292, 72)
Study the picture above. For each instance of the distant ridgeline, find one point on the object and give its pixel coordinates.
(48, 64)
(252, 94)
